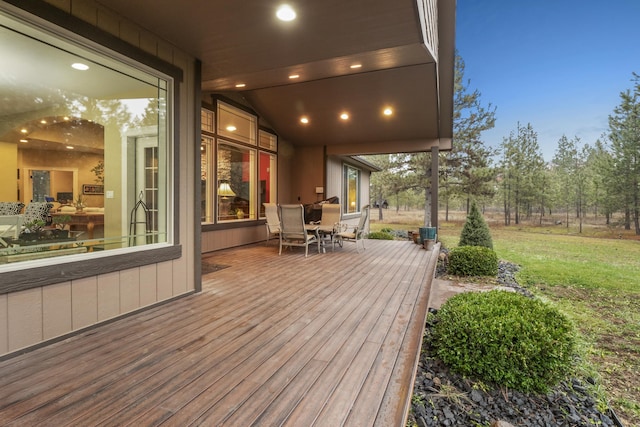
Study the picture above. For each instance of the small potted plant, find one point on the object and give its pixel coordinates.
(60, 222)
(33, 230)
(80, 203)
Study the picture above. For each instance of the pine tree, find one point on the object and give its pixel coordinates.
(475, 231)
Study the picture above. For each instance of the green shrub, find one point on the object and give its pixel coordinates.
(473, 261)
(386, 230)
(505, 338)
(380, 235)
(475, 231)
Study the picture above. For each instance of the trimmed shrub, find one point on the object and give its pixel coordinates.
(505, 338)
(475, 231)
(473, 261)
(380, 235)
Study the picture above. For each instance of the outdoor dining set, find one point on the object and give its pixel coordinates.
(287, 222)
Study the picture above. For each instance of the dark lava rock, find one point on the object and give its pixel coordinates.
(442, 398)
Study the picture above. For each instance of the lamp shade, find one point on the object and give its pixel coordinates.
(225, 190)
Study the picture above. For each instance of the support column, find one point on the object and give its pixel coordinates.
(435, 150)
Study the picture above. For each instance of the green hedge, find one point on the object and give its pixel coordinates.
(473, 261)
(505, 338)
(380, 235)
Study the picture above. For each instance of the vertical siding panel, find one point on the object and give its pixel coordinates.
(148, 280)
(85, 10)
(108, 21)
(56, 310)
(165, 284)
(25, 318)
(129, 290)
(61, 4)
(108, 296)
(4, 324)
(179, 277)
(129, 33)
(148, 43)
(84, 302)
(165, 51)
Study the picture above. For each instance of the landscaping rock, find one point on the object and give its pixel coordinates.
(447, 399)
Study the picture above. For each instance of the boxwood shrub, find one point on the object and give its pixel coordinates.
(505, 338)
(473, 261)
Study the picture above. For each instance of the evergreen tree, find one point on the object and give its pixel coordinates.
(468, 163)
(522, 172)
(624, 134)
(475, 231)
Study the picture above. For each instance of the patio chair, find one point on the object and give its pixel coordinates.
(329, 221)
(273, 222)
(356, 234)
(293, 231)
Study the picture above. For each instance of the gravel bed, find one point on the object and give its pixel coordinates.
(442, 398)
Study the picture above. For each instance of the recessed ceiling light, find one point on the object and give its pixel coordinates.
(43, 121)
(70, 147)
(24, 140)
(294, 76)
(387, 111)
(241, 85)
(231, 128)
(344, 116)
(304, 120)
(80, 66)
(66, 118)
(23, 130)
(286, 13)
(354, 66)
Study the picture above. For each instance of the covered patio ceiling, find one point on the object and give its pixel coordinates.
(401, 60)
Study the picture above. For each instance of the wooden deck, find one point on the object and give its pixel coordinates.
(327, 340)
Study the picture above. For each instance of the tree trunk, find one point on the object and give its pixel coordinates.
(427, 207)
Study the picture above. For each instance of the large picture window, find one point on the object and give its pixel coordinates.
(236, 182)
(351, 185)
(85, 143)
(245, 177)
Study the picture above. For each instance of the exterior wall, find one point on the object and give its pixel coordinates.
(307, 173)
(43, 313)
(334, 185)
(230, 237)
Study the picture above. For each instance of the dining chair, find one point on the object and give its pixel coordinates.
(355, 234)
(273, 221)
(330, 221)
(293, 231)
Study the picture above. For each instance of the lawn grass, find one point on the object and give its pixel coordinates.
(594, 280)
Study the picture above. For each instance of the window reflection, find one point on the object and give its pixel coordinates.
(86, 144)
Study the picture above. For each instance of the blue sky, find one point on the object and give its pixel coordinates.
(557, 64)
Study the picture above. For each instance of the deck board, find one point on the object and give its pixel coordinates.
(327, 340)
